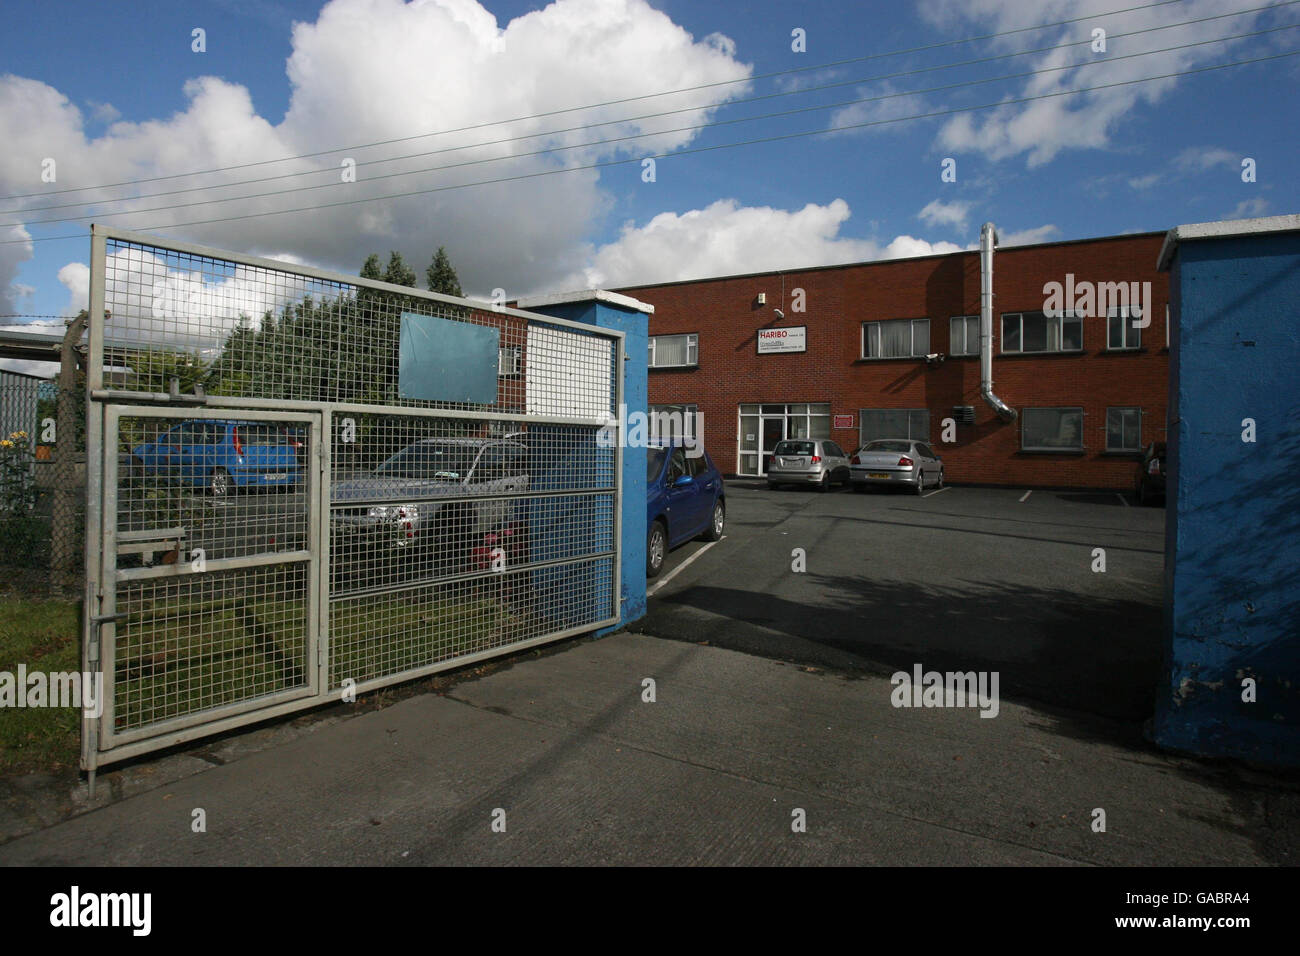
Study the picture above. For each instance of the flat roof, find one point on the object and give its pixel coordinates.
(972, 251)
(585, 295)
(1223, 230)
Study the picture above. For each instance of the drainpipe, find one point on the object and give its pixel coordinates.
(988, 242)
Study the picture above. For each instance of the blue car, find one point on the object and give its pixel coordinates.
(220, 456)
(685, 498)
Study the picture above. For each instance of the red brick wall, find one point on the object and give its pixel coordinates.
(839, 299)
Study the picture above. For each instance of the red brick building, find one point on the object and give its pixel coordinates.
(891, 349)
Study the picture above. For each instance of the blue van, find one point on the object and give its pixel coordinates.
(685, 499)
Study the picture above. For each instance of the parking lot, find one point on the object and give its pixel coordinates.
(957, 579)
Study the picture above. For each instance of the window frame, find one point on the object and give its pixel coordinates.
(912, 352)
(1057, 449)
(1137, 449)
(965, 320)
(1127, 327)
(692, 350)
(1058, 316)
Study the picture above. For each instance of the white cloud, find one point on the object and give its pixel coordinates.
(1144, 182)
(1028, 237)
(1042, 128)
(1248, 209)
(75, 277)
(15, 249)
(937, 213)
(726, 238)
(1203, 158)
(373, 70)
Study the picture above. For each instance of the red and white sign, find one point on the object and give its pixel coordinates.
(843, 421)
(794, 339)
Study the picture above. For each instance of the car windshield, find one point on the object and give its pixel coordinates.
(795, 448)
(888, 445)
(654, 463)
(430, 462)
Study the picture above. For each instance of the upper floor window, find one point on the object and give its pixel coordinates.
(1122, 331)
(1040, 332)
(896, 338)
(964, 335)
(674, 351)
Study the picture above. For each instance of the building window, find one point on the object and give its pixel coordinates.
(509, 361)
(674, 351)
(896, 338)
(964, 335)
(1121, 332)
(1040, 332)
(876, 423)
(1051, 429)
(1123, 429)
(674, 421)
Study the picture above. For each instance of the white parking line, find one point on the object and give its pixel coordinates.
(1122, 498)
(937, 491)
(1026, 494)
(681, 567)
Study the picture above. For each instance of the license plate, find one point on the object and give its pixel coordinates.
(877, 474)
(275, 476)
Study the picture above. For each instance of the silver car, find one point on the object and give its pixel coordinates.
(416, 497)
(896, 461)
(808, 461)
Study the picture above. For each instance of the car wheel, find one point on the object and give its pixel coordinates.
(220, 485)
(717, 523)
(824, 485)
(656, 546)
(920, 482)
(940, 483)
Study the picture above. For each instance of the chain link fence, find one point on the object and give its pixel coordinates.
(42, 483)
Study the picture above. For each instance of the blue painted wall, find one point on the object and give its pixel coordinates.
(632, 584)
(1232, 558)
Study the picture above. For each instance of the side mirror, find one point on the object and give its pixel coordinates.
(683, 480)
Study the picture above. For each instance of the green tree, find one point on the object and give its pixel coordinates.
(398, 272)
(371, 270)
(441, 276)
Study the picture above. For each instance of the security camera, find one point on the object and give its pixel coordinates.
(778, 313)
(934, 358)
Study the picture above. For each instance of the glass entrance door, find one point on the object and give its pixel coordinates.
(773, 434)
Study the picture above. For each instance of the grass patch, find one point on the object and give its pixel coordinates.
(45, 636)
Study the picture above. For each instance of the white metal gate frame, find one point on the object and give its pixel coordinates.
(101, 743)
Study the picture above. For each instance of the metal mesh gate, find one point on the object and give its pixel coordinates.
(302, 483)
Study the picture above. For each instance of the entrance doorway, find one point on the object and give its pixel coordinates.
(762, 427)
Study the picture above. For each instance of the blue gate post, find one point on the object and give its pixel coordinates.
(1231, 686)
(609, 310)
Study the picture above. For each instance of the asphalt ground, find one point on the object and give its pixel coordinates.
(573, 759)
(959, 579)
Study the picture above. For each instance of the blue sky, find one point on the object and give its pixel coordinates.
(116, 94)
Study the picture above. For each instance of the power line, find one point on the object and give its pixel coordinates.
(630, 119)
(627, 99)
(636, 136)
(691, 150)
